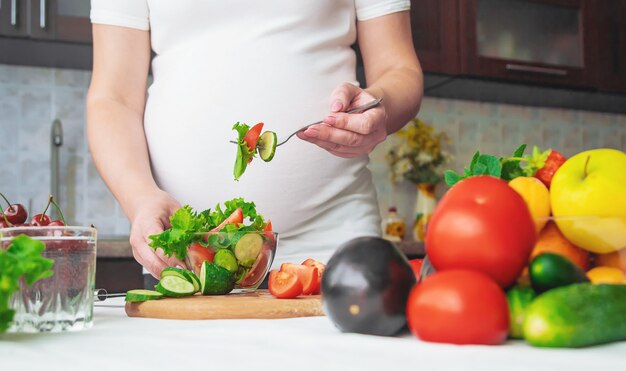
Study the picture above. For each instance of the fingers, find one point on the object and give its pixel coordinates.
(148, 259)
(343, 138)
(342, 96)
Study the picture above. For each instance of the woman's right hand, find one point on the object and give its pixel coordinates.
(151, 216)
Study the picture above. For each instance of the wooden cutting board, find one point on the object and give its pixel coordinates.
(259, 304)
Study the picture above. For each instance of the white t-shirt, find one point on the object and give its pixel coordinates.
(271, 61)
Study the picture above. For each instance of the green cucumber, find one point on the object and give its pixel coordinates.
(248, 247)
(226, 259)
(267, 145)
(174, 286)
(196, 281)
(215, 280)
(135, 296)
(519, 298)
(184, 274)
(578, 315)
(548, 271)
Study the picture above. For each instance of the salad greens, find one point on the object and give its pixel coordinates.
(21, 259)
(187, 223)
(244, 154)
(506, 168)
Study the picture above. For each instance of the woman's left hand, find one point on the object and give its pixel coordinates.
(349, 135)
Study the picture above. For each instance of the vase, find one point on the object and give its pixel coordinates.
(424, 206)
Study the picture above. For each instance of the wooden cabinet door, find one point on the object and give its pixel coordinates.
(609, 39)
(527, 40)
(13, 18)
(61, 20)
(434, 24)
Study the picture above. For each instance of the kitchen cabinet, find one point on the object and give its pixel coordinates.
(541, 41)
(434, 24)
(610, 48)
(60, 20)
(13, 18)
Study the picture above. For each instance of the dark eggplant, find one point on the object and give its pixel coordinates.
(366, 285)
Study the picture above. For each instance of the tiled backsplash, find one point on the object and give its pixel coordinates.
(31, 98)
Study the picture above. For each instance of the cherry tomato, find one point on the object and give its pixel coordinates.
(459, 307)
(481, 224)
(320, 271)
(308, 276)
(553, 163)
(284, 285)
(416, 265)
(252, 136)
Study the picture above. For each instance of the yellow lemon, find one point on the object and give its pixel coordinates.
(536, 196)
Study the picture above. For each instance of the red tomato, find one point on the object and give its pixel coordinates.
(481, 224)
(308, 276)
(320, 271)
(268, 232)
(252, 136)
(459, 307)
(235, 218)
(259, 268)
(553, 163)
(197, 254)
(284, 285)
(416, 265)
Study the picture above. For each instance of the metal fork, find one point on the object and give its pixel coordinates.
(358, 109)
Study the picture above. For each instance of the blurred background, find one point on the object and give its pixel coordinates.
(498, 73)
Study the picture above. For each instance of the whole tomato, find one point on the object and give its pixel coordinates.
(459, 307)
(481, 224)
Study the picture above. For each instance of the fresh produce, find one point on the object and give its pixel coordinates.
(459, 307)
(14, 213)
(481, 224)
(249, 141)
(245, 246)
(22, 259)
(519, 298)
(284, 285)
(215, 280)
(136, 296)
(592, 184)
(366, 285)
(536, 196)
(320, 272)
(552, 163)
(577, 316)
(607, 275)
(548, 271)
(308, 276)
(552, 240)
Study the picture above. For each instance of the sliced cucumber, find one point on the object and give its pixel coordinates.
(184, 274)
(135, 296)
(196, 281)
(267, 145)
(215, 280)
(248, 247)
(226, 259)
(175, 287)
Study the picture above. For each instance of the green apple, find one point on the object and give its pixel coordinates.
(588, 200)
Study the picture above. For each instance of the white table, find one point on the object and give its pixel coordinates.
(117, 342)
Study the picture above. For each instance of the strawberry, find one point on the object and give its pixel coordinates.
(552, 164)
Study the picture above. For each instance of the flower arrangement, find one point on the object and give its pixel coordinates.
(418, 157)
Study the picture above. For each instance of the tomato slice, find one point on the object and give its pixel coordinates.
(259, 268)
(197, 254)
(252, 136)
(268, 232)
(284, 285)
(320, 271)
(308, 276)
(235, 218)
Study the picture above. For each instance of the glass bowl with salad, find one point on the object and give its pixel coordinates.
(229, 248)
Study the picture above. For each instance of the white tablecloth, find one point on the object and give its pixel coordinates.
(117, 342)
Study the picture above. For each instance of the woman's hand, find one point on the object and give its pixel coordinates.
(152, 217)
(349, 135)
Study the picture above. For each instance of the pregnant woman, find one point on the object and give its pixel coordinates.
(283, 62)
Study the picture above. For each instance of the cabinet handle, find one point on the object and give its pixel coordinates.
(42, 14)
(13, 13)
(539, 70)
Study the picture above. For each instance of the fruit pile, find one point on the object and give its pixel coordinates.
(15, 215)
(293, 280)
(512, 243)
